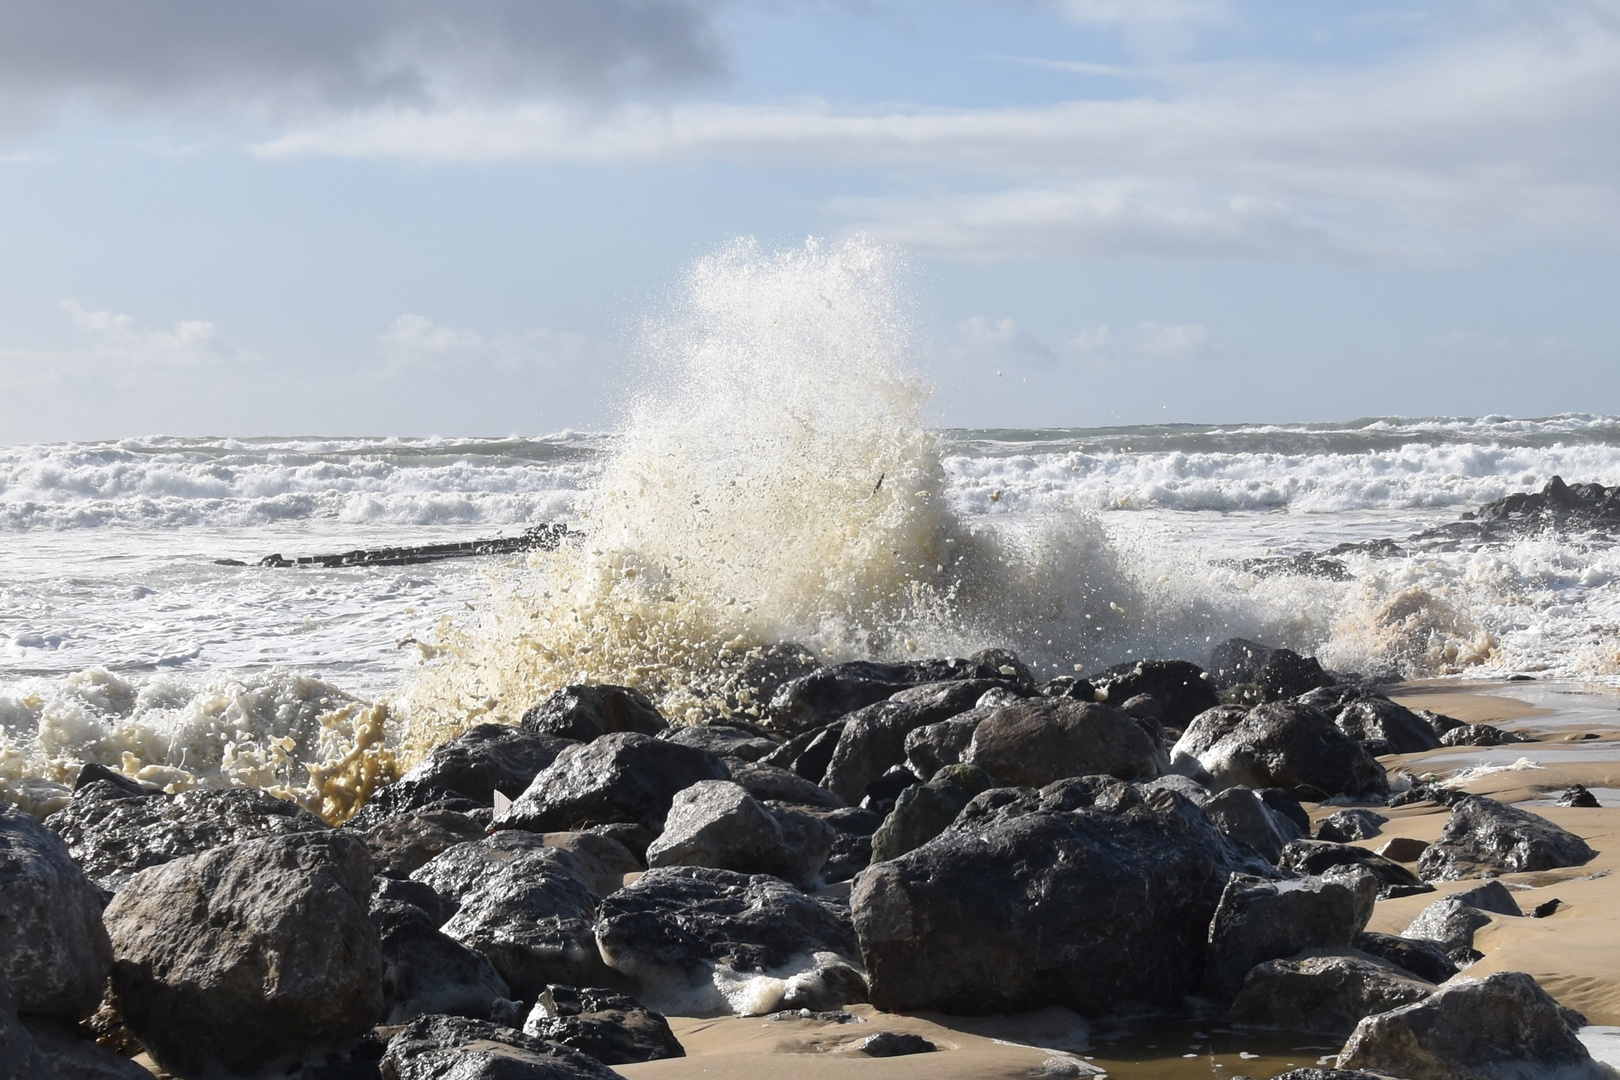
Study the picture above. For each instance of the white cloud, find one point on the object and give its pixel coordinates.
(1139, 12)
(413, 344)
(1002, 343)
(115, 346)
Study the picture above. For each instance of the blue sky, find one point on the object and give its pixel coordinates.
(413, 216)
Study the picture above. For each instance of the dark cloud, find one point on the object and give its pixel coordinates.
(289, 55)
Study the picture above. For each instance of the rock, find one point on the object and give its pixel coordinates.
(632, 837)
(1244, 817)
(1492, 896)
(586, 713)
(1016, 907)
(1184, 786)
(1422, 958)
(1284, 803)
(405, 842)
(762, 673)
(829, 693)
(624, 776)
(1281, 744)
(63, 1052)
(1449, 923)
(1316, 1073)
(723, 740)
(1067, 686)
(1236, 662)
(426, 972)
(1343, 826)
(1502, 1027)
(923, 812)
(488, 758)
(1577, 795)
(1323, 991)
(1484, 836)
(852, 846)
(54, 950)
(1033, 743)
(1318, 856)
(1259, 920)
(885, 791)
(933, 746)
(1381, 725)
(873, 739)
(1181, 689)
(716, 823)
(458, 870)
(1480, 735)
(695, 939)
(894, 1044)
(1403, 849)
(249, 957)
(115, 838)
(1006, 664)
(1546, 908)
(1287, 674)
(765, 782)
(17, 1055)
(598, 860)
(410, 797)
(413, 894)
(608, 1026)
(808, 753)
(456, 1048)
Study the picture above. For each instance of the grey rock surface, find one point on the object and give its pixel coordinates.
(1317, 856)
(426, 972)
(1245, 817)
(1344, 826)
(624, 776)
(63, 1052)
(1180, 688)
(456, 1048)
(923, 812)
(773, 782)
(1280, 744)
(586, 712)
(723, 740)
(1036, 742)
(1422, 958)
(1484, 836)
(405, 842)
(1259, 920)
(1449, 923)
(1325, 992)
(933, 746)
(608, 1026)
(488, 758)
(717, 823)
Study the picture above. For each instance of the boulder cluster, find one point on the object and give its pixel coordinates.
(950, 835)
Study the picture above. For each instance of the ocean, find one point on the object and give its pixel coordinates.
(772, 479)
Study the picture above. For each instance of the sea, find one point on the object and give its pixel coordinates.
(773, 479)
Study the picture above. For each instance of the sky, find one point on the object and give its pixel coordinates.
(455, 217)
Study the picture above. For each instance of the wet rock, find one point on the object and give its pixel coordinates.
(1318, 856)
(808, 753)
(1403, 849)
(632, 837)
(1281, 744)
(1259, 920)
(926, 810)
(1067, 686)
(1287, 674)
(885, 791)
(1379, 724)
(456, 1048)
(411, 893)
(1237, 661)
(694, 938)
(1502, 1027)
(1181, 689)
(852, 846)
(405, 842)
(426, 972)
(782, 785)
(1480, 735)
(597, 859)
(488, 758)
(1484, 836)
(1015, 907)
(873, 739)
(1492, 896)
(54, 950)
(829, 693)
(587, 712)
(716, 823)
(607, 1026)
(17, 1056)
(1343, 826)
(115, 838)
(933, 746)
(1033, 743)
(1425, 959)
(1324, 992)
(410, 797)
(1450, 924)
(894, 1044)
(1185, 786)
(1546, 908)
(251, 956)
(63, 1052)
(624, 776)
(1244, 817)
(724, 740)
(1577, 795)
(1286, 804)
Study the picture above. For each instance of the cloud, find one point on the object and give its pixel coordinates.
(286, 56)
(414, 344)
(116, 346)
(1003, 344)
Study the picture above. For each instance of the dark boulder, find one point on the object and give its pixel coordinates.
(724, 740)
(54, 951)
(1424, 959)
(488, 758)
(828, 693)
(1246, 818)
(1492, 896)
(1403, 849)
(1318, 856)
(63, 1051)
(852, 846)
(403, 843)
(1285, 803)
(411, 797)
(624, 776)
(1287, 674)
(1236, 662)
(873, 739)
(1577, 795)
(426, 972)
(1480, 735)
(1259, 920)
(1033, 743)
(1181, 689)
(696, 939)
(1343, 826)
(587, 712)
(456, 1048)
(115, 838)
(1485, 837)
(1328, 992)
(1379, 724)
(933, 746)
(1501, 1027)
(1015, 907)
(894, 1044)
(783, 785)
(17, 1055)
(1450, 924)
(608, 1026)
(926, 810)
(717, 823)
(1281, 744)
(249, 957)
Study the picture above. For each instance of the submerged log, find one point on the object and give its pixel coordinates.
(541, 537)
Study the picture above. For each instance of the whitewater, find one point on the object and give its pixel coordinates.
(773, 479)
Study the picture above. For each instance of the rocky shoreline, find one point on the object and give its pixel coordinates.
(942, 836)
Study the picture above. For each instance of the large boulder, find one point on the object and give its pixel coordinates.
(783, 785)
(1279, 744)
(926, 810)
(828, 693)
(248, 958)
(873, 739)
(624, 776)
(1287, 674)
(1450, 923)
(456, 1048)
(933, 746)
(1017, 906)
(1182, 690)
(489, 758)
(54, 951)
(1501, 1027)
(1485, 837)
(1245, 817)
(413, 797)
(585, 713)
(1237, 661)
(1379, 724)
(717, 823)
(403, 843)
(1345, 826)
(426, 972)
(608, 1026)
(1318, 856)
(114, 834)
(1424, 959)
(1323, 991)
(1036, 742)
(1259, 920)
(694, 939)
(723, 740)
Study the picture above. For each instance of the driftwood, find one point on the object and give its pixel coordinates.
(541, 537)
